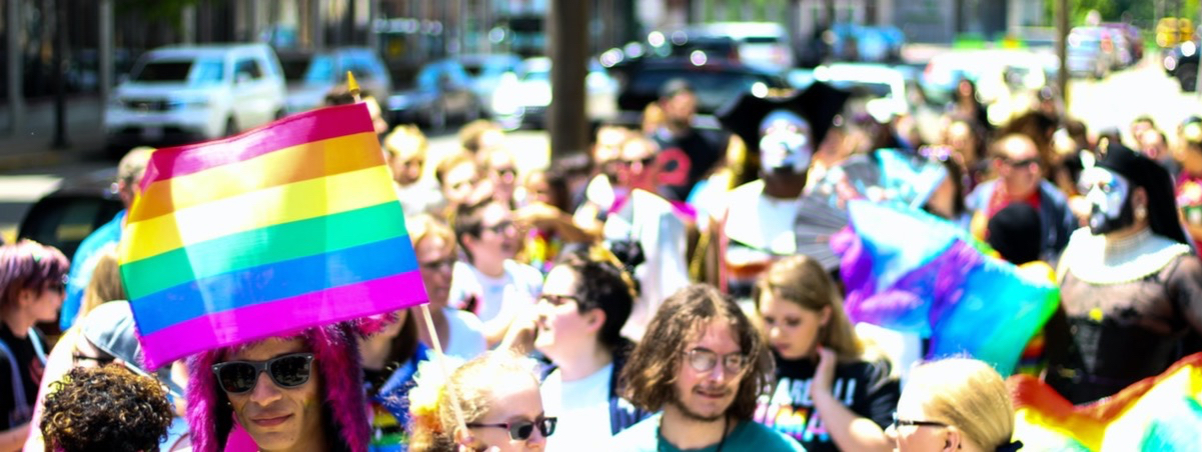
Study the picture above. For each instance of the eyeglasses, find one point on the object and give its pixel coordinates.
(439, 265)
(502, 172)
(897, 422)
(288, 371)
(703, 360)
(645, 161)
(556, 300)
(1020, 163)
(499, 227)
(521, 431)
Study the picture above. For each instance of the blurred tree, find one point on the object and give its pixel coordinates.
(1142, 13)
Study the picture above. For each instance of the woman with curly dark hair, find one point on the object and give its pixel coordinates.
(105, 408)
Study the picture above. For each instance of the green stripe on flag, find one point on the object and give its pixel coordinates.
(263, 246)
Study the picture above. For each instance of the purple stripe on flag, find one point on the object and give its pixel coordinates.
(294, 130)
(281, 316)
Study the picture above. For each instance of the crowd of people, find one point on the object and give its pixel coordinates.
(647, 296)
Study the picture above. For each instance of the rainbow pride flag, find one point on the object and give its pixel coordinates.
(1161, 413)
(291, 225)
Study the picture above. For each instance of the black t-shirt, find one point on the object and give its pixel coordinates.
(30, 366)
(864, 387)
(686, 159)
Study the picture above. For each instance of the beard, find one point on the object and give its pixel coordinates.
(1100, 224)
(691, 415)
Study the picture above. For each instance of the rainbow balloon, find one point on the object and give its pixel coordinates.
(910, 271)
(291, 225)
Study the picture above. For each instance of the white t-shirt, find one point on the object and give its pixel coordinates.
(518, 287)
(582, 407)
(467, 334)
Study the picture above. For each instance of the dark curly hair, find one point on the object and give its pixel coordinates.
(105, 408)
(602, 284)
(650, 374)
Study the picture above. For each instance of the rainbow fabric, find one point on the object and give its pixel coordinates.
(910, 271)
(1161, 413)
(291, 225)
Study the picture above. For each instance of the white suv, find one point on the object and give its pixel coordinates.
(194, 93)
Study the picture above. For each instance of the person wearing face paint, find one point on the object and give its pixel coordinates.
(703, 373)
(755, 226)
(828, 395)
(954, 404)
(301, 392)
(1130, 285)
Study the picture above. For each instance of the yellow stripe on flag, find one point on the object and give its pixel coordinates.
(258, 209)
(288, 165)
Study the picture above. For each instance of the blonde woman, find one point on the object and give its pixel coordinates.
(498, 397)
(827, 396)
(955, 404)
(105, 284)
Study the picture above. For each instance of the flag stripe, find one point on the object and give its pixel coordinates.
(271, 244)
(259, 209)
(265, 283)
(268, 319)
(297, 163)
(297, 129)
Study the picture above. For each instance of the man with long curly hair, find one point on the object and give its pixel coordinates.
(705, 369)
(106, 408)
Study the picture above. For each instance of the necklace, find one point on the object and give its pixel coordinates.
(660, 434)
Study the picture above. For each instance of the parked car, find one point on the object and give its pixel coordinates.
(486, 72)
(442, 91)
(851, 42)
(763, 45)
(327, 71)
(185, 94)
(715, 82)
(64, 217)
(1090, 52)
(522, 98)
(1181, 63)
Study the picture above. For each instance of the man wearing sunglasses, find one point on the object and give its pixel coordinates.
(302, 392)
(1020, 172)
(705, 369)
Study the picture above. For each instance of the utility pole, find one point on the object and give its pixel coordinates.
(1062, 50)
(567, 45)
(60, 79)
(14, 63)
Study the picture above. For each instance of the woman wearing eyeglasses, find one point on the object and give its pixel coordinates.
(31, 290)
(954, 404)
(498, 398)
(578, 321)
(303, 392)
(827, 395)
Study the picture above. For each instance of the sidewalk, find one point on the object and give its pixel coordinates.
(31, 146)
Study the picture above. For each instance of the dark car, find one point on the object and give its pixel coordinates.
(443, 90)
(1181, 63)
(66, 216)
(715, 82)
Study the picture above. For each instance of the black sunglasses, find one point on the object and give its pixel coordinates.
(521, 431)
(897, 422)
(288, 371)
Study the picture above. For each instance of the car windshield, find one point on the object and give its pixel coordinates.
(321, 70)
(488, 68)
(864, 89)
(713, 88)
(194, 72)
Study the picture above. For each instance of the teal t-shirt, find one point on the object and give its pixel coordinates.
(747, 436)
